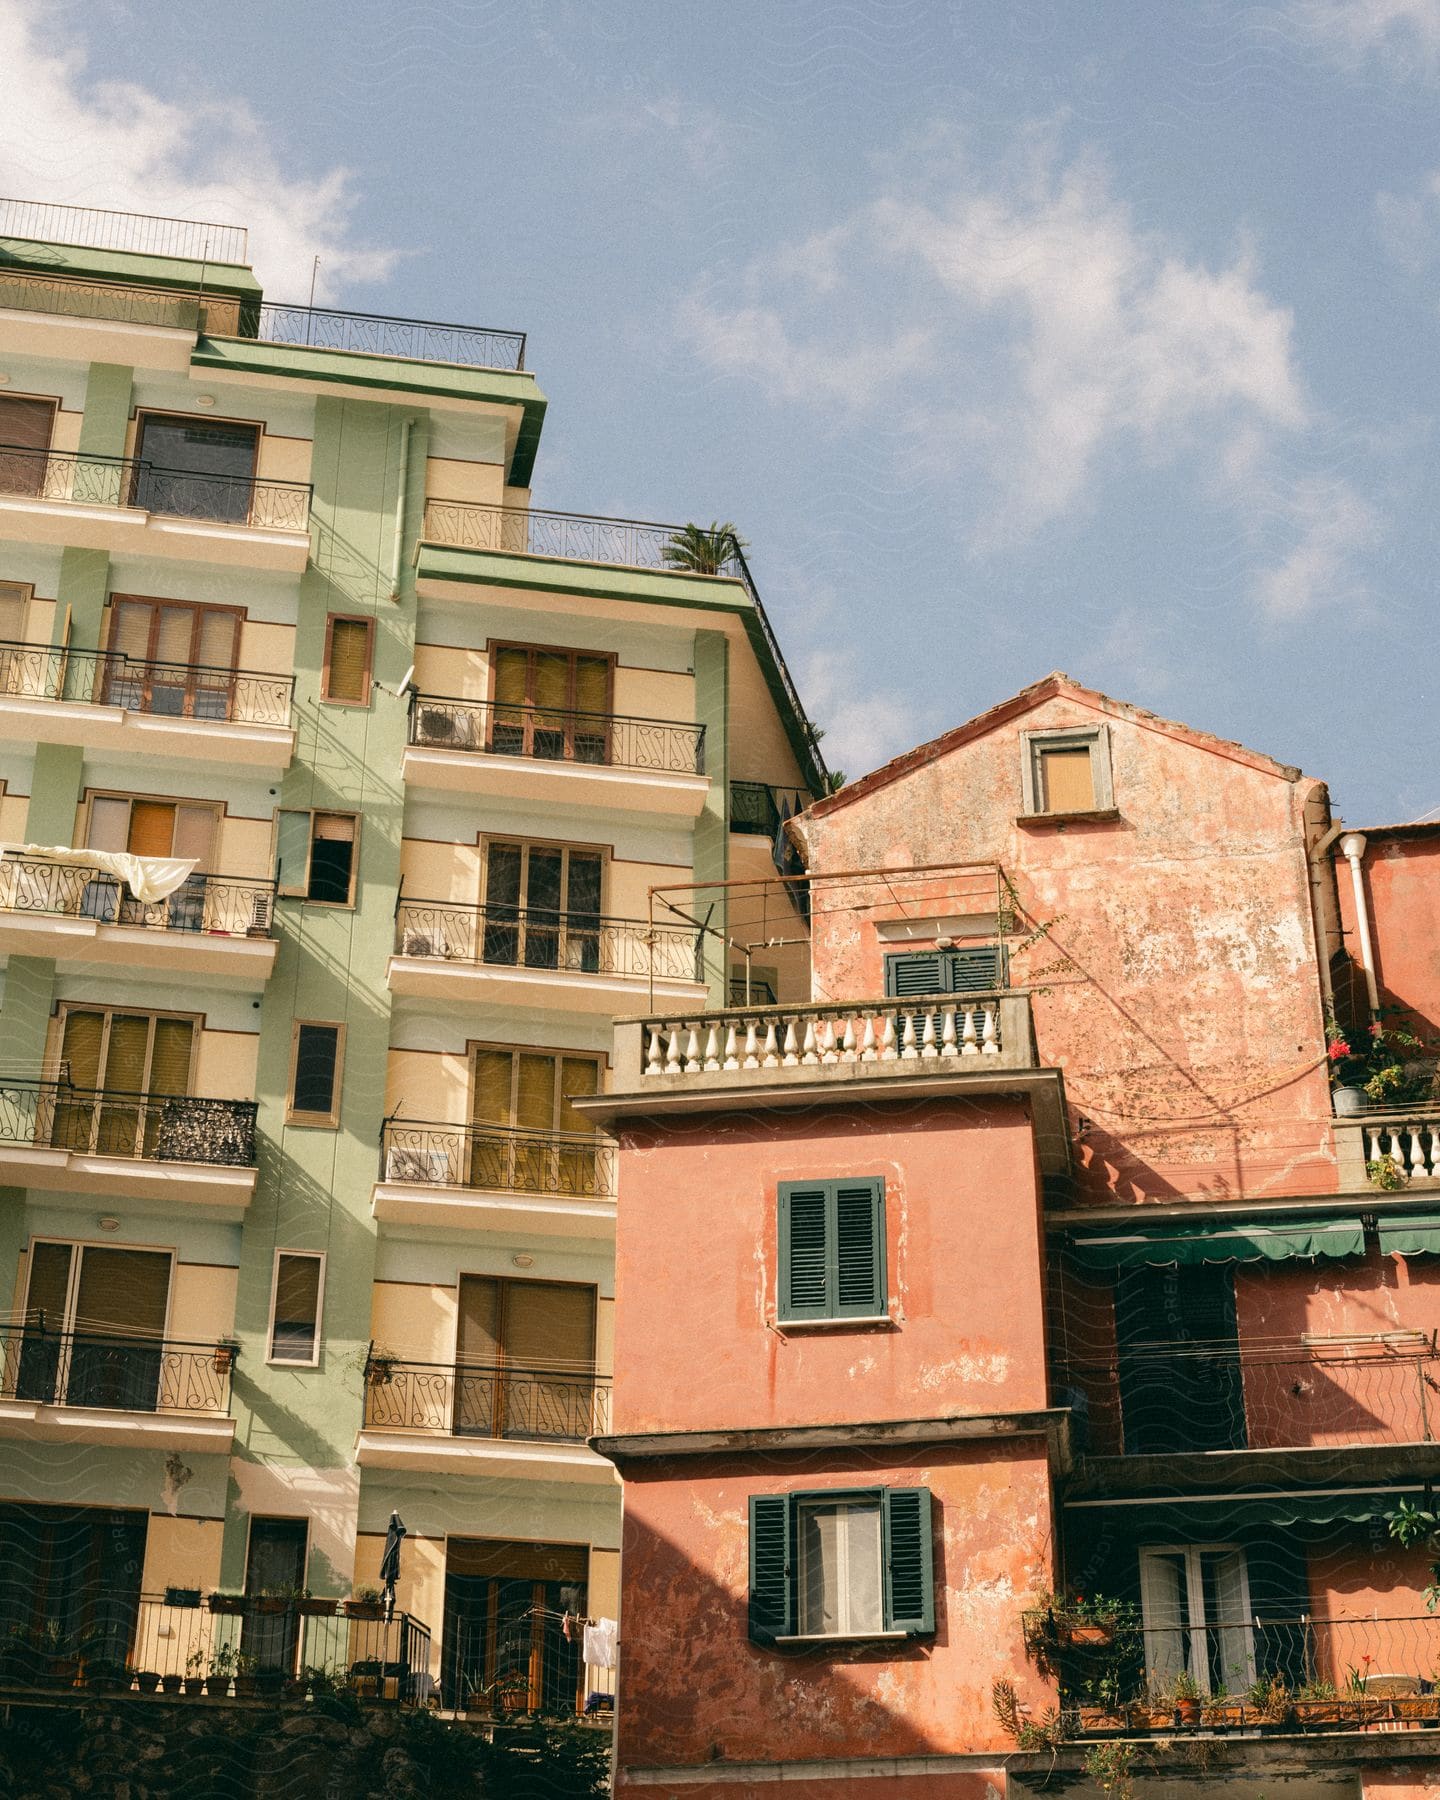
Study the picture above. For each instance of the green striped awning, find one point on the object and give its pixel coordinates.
(1274, 1239)
(1418, 1234)
(1211, 1518)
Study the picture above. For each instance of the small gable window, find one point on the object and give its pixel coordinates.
(1067, 772)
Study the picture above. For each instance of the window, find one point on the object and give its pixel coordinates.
(295, 1307)
(72, 1573)
(542, 906)
(501, 1598)
(527, 1136)
(134, 1059)
(146, 827)
(315, 1057)
(317, 859)
(1067, 771)
(14, 596)
(195, 468)
(832, 1249)
(841, 1565)
(974, 969)
(1178, 1350)
(349, 650)
(525, 1359)
(112, 1302)
(26, 425)
(171, 657)
(550, 703)
(1195, 1608)
(274, 1563)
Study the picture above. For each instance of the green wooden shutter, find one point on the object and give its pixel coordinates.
(977, 969)
(805, 1290)
(915, 972)
(772, 1590)
(859, 1240)
(974, 969)
(909, 1560)
(292, 851)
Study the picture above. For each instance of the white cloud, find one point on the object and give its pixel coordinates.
(1331, 522)
(863, 728)
(68, 137)
(1405, 32)
(1409, 225)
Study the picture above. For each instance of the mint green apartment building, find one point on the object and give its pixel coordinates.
(345, 799)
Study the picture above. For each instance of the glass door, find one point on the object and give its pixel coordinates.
(94, 1326)
(274, 1569)
(1179, 1359)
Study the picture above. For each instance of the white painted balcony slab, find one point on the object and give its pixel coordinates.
(220, 1191)
(26, 719)
(70, 339)
(242, 964)
(192, 1433)
(437, 1453)
(418, 1205)
(131, 531)
(547, 783)
(503, 984)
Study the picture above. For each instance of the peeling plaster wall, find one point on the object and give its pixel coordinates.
(1402, 892)
(701, 1691)
(1187, 1016)
(697, 1347)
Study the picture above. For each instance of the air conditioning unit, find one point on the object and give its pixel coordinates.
(420, 1168)
(435, 726)
(261, 908)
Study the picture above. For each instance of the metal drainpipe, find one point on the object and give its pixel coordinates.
(400, 499)
(1352, 847)
(1317, 909)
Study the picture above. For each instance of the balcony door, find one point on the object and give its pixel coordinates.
(542, 906)
(1195, 1608)
(26, 427)
(196, 468)
(501, 1648)
(527, 1136)
(125, 1062)
(551, 704)
(1179, 1360)
(69, 1576)
(94, 1326)
(171, 657)
(146, 827)
(525, 1355)
(274, 1565)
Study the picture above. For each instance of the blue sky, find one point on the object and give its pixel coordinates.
(1013, 336)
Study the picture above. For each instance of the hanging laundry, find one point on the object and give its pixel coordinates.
(600, 1635)
(574, 1628)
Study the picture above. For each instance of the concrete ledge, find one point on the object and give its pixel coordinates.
(439, 1453)
(1210, 1471)
(198, 1433)
(1051, 1423)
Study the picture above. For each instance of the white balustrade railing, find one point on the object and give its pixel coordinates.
(782, 1038)
(1413, 1145)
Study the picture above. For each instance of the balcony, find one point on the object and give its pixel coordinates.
(103, 700)
(578, 962)
(484, 1419)
(213, 925)
(1405, 1144)
(105, 228)
(83, 1387)
(1298, 1674)
(169, 1644)
(1149, 1415)
(555, 757)
(196, 1152)
(129, 507)
(555, 1183)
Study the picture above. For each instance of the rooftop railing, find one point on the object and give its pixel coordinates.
(137, 1126)
(504, 936)
(137, 684)
(81, 479)
(101, 228)
(223, 905)
(498, 1158)
(552, 734)
(379, 334)
(125, 303)
(756, 807)
(117, 1371)
(486, 1400)
(1282, 1394)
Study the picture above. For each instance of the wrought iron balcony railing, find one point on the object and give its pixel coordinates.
(223, 905)
(162, 689)
(1282, 1394)
(120, 481)
(756, 808)
(126, 1373)
(551, 734)
(376, 334)
(104, 228)
(254, 1647)
(504, 936)
(555, 1405)
(32, 290)
(498, 1158)
(114, 1122)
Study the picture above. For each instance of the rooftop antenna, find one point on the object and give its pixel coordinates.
(200, 291)
(310, 310)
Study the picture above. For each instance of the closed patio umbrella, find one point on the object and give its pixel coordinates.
(390, 1562)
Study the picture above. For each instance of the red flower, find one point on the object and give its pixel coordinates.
(1338, 1048)
(1375, 1029)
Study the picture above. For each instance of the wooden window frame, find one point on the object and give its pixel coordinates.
(494, 646)
(294, 1362)
(505, 1282)
(91, 795)
(26, 591)
(308, 1120)
(832, 1313)
(64, 1007)
(302, 892)
(73, 1280)
(525, 845)
(368, 621)
(196, 608)
(474, 1046)
(1095, 739)
(774, 1563)
(141, 413)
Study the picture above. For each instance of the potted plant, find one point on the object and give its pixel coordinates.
(365, 1677)
(703, 550)
(1386, 1173)
(295, 1687)
(365, 1603)
(316, 1606)
(1318, 1703)
(1269, 1702)
(1222, 1711)
(1381, 1064)
(182, 1597)
(1186, 1694)
(510, 1693)
(194, 1682)
(247, 1684)
(230, 1604)
(224, 1355)
(269, 1681)
(1059, 1621)
(222, 1665)
(380, 1367)
(147, 1681)
(170, 1682)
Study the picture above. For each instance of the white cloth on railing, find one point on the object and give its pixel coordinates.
(149, 878)
(600, 1637)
